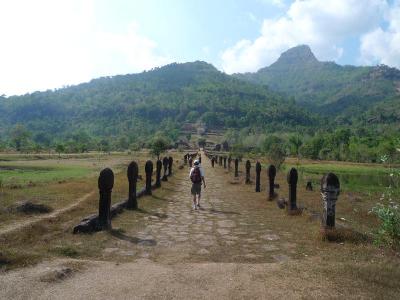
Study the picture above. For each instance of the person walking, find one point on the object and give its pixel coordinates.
(196, 175)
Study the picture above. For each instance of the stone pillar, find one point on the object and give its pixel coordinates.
(258, 174)
(224, 162)
(292, 181)
(248, 167)
(212, 161)
(132, 173)
(236, 167)
(105, 184)
(309, 186)
(330, 189)
(185, 159)
(220, 160)
(271, 178)
(229, 163)
(170, 162)
(149, 172)
(158, 173)
(165, 163)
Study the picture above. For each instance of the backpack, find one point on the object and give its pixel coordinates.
(196, 175)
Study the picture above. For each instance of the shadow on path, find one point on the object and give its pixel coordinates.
(134, 240)
(159, 198)
(159, 215)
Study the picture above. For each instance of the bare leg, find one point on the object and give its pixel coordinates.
(194, 200)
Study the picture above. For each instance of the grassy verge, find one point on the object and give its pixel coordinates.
(54, 238)
(15, 175)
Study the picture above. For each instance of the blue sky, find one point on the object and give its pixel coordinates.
(48, 44)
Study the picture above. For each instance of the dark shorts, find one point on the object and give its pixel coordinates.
(196, 189)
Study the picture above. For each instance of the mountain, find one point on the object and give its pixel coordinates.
(135, 106)
(327, 87)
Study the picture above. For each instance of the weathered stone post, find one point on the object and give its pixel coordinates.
(292, 181)
(220, 160)
(224, 162)
(105, 184)
(132, 173)
(158, 173)
(149, 172)
(212, 161)
(236, 167)
(271, 178)
(200, 159)
(185, 159)
(309, 186)
(170, 162)
(258, 174)
(330, 189)
(165, 163)
(248, 167)
(229, 163)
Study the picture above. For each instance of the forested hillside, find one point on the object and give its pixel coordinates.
(326, 87)
(133, 107)
(298, 106)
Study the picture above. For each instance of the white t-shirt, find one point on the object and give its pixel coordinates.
(201, 171)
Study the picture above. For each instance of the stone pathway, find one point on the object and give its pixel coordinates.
(233, 225)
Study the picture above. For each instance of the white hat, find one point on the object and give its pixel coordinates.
(196, 162)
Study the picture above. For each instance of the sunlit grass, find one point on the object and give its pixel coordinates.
(21, 175)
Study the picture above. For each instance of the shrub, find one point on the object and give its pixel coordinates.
(389, 214)
(276, 155)
(389, 231)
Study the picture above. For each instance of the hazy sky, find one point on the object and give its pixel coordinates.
(46, 44)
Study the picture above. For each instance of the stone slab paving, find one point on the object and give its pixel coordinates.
(231, 226)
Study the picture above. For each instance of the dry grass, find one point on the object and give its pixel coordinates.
(346, 257)
(49, 238)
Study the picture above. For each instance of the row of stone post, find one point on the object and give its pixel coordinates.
(106, 183)
(330, 189)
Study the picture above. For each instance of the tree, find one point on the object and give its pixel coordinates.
(237, 151)
(122, 143)
(104, 145)
(60, 148)
(276, 155)
(295, 143)
(19, 136)
(158, 146)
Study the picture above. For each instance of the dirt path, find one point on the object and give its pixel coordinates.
(36, 219)
(233, 225)
(235, 247)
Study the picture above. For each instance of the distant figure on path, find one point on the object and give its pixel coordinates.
(196, 175)
(190, 161)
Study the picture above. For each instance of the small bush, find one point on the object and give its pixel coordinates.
(389, 231)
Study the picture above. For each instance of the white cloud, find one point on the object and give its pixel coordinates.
(134, 52)
(278, 3)
(321, 24)
(383, 46)
(47, 44)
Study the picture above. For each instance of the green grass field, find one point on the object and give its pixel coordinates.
(16, 174)
(364, 178)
